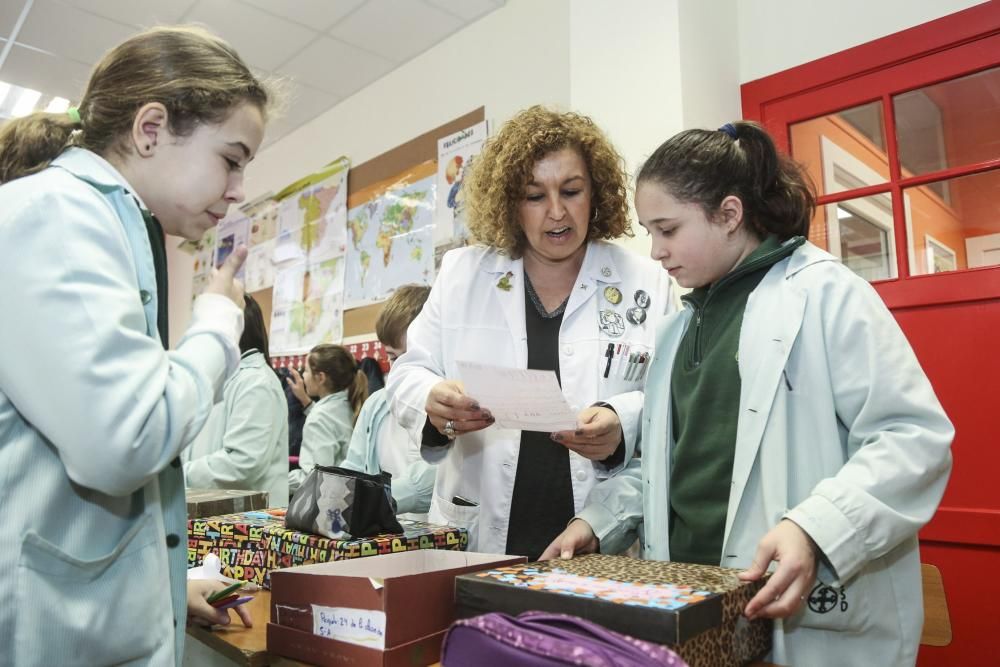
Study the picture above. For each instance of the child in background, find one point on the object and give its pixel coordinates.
(333, 377)
(787, 421)
(244, 445)
(93, 411)
(379, 443)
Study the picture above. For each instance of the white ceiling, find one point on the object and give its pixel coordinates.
(325, 49)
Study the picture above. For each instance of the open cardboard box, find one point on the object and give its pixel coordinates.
(390, 610)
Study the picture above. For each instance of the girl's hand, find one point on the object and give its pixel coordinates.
(200, 611)
(224, 281)
(298, 387)
(578, 538)
(447, 402)
(597, 436)
(791, 582)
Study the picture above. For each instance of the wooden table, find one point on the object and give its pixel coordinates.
(248, 646)
(244, 646)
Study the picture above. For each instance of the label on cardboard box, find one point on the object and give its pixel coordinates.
(364, 627)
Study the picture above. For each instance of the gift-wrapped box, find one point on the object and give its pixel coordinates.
(241, 542)
(298, 548)
(391, 611)
(697, 610)
(251, 544)
(216, 502)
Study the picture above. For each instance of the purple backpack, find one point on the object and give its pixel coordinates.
(541, 639)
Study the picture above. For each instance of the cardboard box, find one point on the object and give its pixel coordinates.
(251, 544)
(216, 502)
(390, 611)
(697, 610)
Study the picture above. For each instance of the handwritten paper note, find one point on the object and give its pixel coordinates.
(521, 399)
(363, 627)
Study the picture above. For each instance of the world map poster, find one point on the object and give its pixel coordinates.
(390, 236)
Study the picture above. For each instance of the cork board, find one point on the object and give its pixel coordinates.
(370, 176)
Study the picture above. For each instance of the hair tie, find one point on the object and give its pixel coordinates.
(74, 115)
(729, 129)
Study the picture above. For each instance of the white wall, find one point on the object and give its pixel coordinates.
(776, 35)
(710, 62)
(625, 74)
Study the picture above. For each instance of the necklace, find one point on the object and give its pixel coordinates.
(538, 302)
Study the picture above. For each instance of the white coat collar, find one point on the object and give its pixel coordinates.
(598, 267)
(91, 167)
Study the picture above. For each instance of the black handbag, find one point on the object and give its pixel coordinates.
(343, 504)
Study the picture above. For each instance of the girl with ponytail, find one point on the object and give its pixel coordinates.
(788, 425)
(94, 411)
(331, 376)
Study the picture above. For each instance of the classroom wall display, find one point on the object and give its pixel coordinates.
(391, 230)
(456, 153)
(308, 294)
(304, 256)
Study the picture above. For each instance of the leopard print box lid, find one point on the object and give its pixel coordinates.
(694, 609)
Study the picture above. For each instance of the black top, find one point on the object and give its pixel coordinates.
(542, 502)
(158, 245)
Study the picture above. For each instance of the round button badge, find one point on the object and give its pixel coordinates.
(613, 295)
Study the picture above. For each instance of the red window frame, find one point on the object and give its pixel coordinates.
(951, 47)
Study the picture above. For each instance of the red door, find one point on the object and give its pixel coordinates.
(902, 139)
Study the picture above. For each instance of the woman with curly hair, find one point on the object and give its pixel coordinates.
(543, 289)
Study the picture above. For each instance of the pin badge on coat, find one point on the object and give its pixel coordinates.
(642, 299)
(612, 323)
(613, 295)
(635, 315)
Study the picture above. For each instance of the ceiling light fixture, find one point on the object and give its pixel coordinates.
(57, 105)
(25, 103)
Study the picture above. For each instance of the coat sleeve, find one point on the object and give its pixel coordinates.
(898, 436)
(421, 367)
(614, 509)
(252, 424)
(79, 364)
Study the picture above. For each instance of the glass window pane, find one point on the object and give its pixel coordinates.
(949, 124)
(843, 151)
(961, 233)
(860, 232)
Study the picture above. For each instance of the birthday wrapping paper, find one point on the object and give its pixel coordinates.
(251, 544)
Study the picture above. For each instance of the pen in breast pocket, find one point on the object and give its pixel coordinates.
(645, 365)
(610, 354)
(630, 366)
(622, 362)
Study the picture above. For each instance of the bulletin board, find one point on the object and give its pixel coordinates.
(361, 321)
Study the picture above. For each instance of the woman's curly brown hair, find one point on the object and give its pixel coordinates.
(500, 174)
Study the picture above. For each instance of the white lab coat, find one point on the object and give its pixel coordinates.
(93, 416)
(840, 431)
(468, 317)
(244, 445)
(325, 436)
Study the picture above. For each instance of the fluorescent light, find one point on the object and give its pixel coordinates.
(25, 103)
(57, 105)
(4, 89)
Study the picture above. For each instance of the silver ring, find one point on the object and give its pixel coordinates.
(449, 428)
